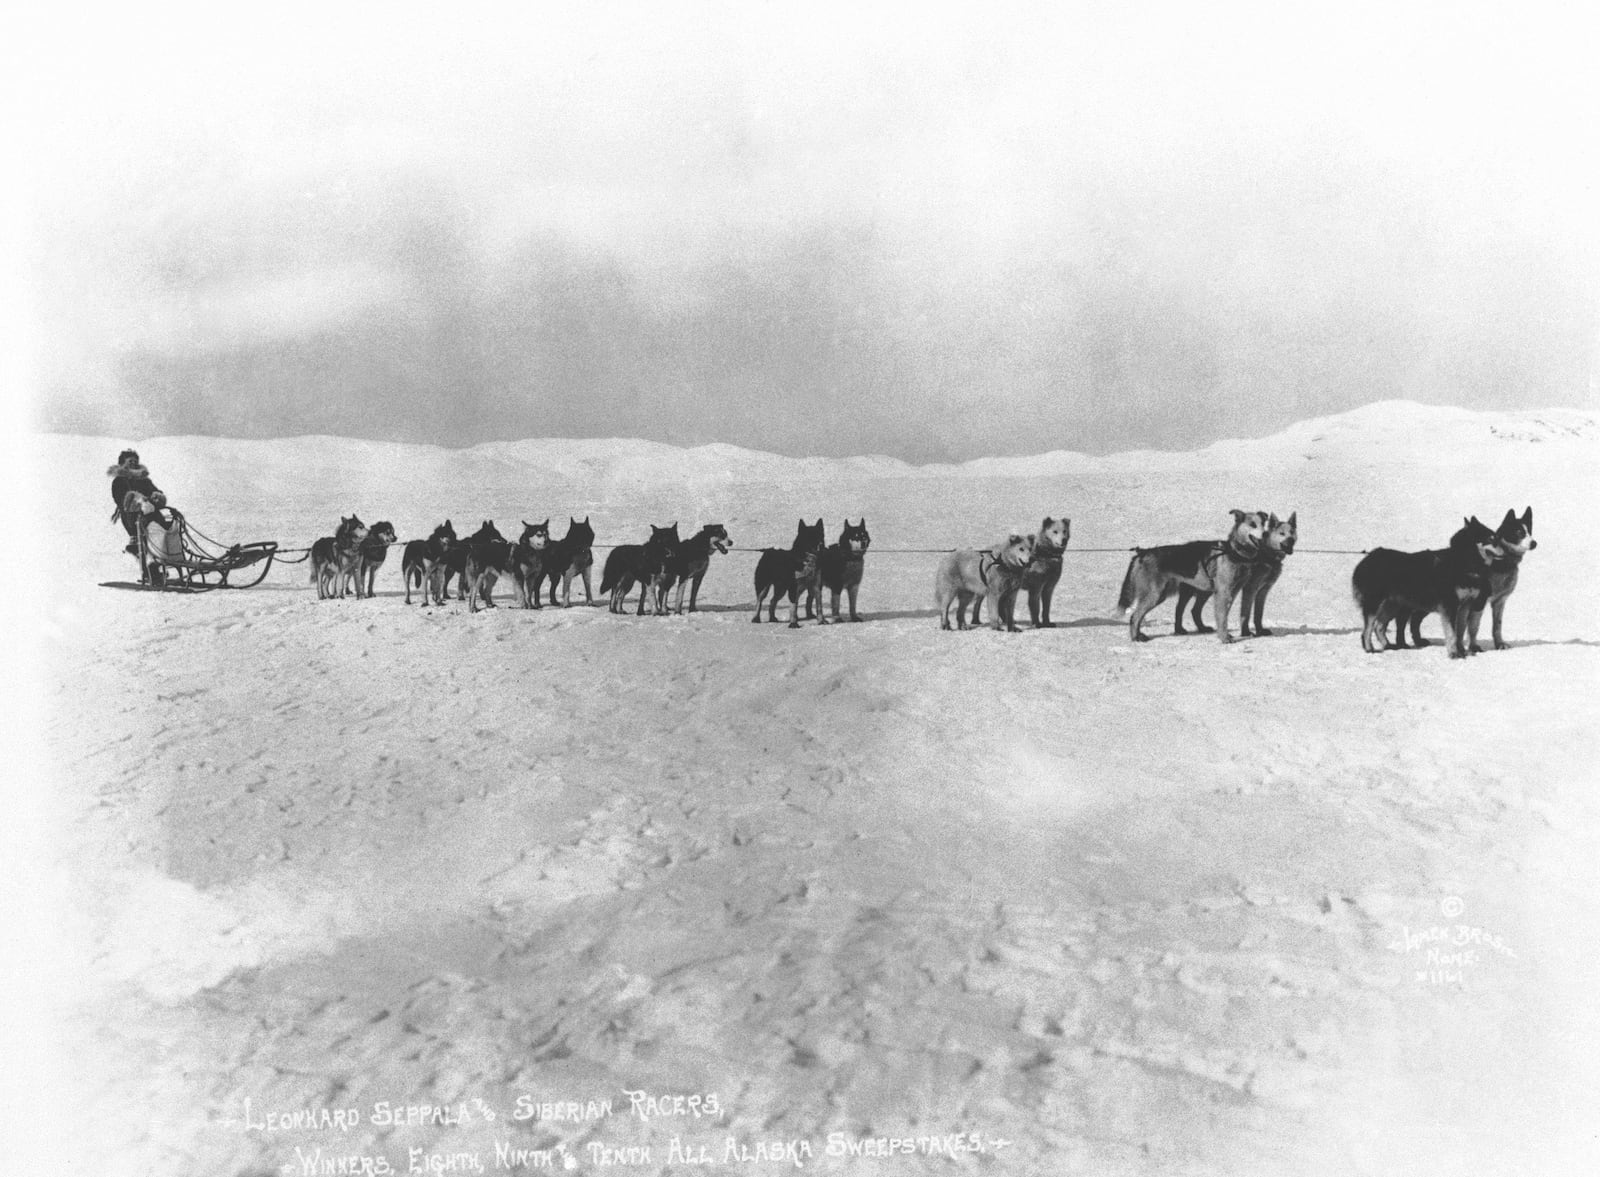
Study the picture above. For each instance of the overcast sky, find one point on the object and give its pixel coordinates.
(926, 231)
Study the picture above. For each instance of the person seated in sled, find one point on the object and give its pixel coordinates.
(130, 476)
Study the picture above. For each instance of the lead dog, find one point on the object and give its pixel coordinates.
(843, 562)
(967, 575)
(1450, 581)
(1044, 570)
(1220, 566)
(1516, 540)
(419, 558)
(333, 557)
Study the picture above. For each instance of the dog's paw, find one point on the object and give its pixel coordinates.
(1225, 638)
(1500, 645)
(1263, 632)
(853, 617)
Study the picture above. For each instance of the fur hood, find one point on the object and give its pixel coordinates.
(131, 469)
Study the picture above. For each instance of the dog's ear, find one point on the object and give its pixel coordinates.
(1527, 519)
(1293, 520)
(1238, 515)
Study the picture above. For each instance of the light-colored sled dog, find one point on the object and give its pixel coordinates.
(1222, 567)
(967, 575)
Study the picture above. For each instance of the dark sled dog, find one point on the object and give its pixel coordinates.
(419, 559)
(843, 562)
(370, 555)
(452, 564)
(693, 560)
(1282, 535)
(1222, 567)
(1044, 570)
(571, 555)
(1516, 540)
(642, 564)
(333, 557)
(789, 573)
(1452, 582)
(488, 558)
(527, 563)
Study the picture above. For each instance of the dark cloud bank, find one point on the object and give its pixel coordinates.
(1158, 302)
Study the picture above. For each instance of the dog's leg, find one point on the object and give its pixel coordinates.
(1375, 634)
(794, 606)
(1474, 620)
(1247, 608)
(1447, 618)
(1046, 595)
(1417, 639)
(1222, 603)
(1144, 601)
(853, 589)
(834, 593)
(760, 593)
(1498, 605)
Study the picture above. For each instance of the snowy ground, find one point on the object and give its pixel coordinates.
(1104, 909)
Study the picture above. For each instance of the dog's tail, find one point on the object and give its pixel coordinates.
(612, 573)
(1125, 597)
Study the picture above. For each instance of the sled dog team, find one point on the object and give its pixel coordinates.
(1477, 570)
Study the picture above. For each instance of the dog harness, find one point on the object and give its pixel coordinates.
(993, 562)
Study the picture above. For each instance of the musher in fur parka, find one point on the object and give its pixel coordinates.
(129, 474)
